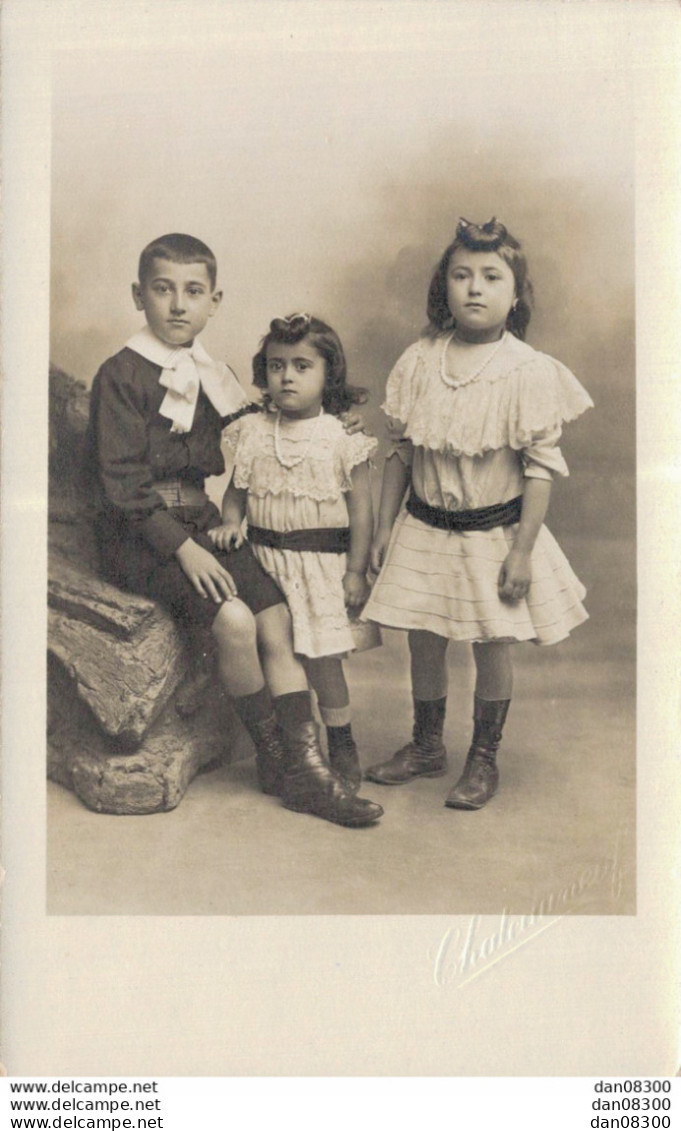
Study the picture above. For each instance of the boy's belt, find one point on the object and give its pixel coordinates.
(180, 493)
(319, 540)
(480, 518)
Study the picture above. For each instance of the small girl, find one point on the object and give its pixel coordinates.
(476, 416)
(303, 483)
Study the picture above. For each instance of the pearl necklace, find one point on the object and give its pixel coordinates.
(458, 383)
(277, 443)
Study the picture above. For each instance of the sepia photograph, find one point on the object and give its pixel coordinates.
(338, 457)
(423, 284)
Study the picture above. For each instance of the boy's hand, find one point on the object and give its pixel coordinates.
(515, 576)
(379, 547)
(355, 588)
(353, 421)
(228, 536)
(205, 572)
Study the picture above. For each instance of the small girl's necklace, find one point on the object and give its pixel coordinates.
(459, 382)
(277, 443)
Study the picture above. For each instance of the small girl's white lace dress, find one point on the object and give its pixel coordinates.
(300, 483)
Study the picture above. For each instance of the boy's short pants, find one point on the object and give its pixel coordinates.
(133, 566)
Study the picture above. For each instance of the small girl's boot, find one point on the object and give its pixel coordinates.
(257, 714)
(480, 778)
(425, 756)
(343, 756)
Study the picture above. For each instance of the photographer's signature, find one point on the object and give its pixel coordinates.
(464, 953)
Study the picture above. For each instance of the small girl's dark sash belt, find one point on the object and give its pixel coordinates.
(480, 518)
(319, 540)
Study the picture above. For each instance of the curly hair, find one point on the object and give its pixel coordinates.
(337, 396)
(492, 236)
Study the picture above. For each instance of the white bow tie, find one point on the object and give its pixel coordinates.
(185, 370)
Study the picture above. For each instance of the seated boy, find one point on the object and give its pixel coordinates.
(156, 415)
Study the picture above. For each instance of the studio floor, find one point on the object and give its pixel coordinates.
(559, 837)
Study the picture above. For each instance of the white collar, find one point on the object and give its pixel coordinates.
(186, 369)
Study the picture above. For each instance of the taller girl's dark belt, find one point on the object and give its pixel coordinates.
(480, 518)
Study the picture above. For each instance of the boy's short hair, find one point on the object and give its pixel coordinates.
(178, 248)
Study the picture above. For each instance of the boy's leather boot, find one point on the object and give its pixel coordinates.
(480, 778)
(423, 757)
(343, 756)
(310, 786)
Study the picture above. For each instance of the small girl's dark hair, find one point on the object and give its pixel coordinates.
(492, 236)
(337, 395)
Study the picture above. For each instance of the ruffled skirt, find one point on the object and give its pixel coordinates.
(313, 587)
(445, 582)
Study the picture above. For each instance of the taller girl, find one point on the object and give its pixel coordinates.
(475, 415)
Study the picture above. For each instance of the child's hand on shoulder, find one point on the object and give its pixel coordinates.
(227, 536)
(353, 421)
(355, 589)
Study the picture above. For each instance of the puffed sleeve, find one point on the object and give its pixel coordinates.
(402, 387)
(399, 445)
(351, 451)
(120, 438)
(232, 432)
(240, 438)
(543, 459)
(545, 395)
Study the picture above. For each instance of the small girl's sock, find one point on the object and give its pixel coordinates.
(339, 736)
(343, 756)
(336, 716)
(255, 707)
(293, 709)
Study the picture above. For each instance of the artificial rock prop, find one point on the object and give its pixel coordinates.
(132, 716)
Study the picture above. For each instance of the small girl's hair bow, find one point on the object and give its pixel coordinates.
(293, 323)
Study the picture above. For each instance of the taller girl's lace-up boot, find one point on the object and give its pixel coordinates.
(423, 757)
(480, 778)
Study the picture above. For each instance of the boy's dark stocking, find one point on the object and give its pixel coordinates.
(257, 714)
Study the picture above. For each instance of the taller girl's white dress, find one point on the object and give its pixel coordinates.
(309, 494)
(470, 447)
